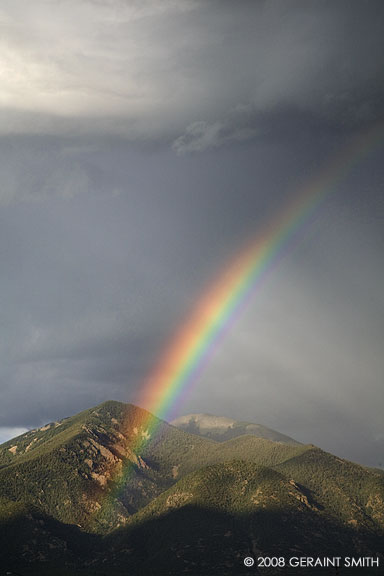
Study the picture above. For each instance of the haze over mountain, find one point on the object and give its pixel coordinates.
(76, 498)
(220, 428)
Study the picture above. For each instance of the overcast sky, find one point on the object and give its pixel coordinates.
(141, 144)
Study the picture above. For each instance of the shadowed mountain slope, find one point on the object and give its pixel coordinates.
(213, 518)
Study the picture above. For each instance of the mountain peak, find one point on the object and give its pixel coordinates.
(221, 428)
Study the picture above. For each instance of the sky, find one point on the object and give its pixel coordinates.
(142, 144)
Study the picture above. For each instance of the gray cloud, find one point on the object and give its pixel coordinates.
(144, 70)
(239, 125)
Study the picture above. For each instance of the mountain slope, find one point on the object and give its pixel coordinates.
(68, 468)
(32, 542)
(354, 493)
(221, 429)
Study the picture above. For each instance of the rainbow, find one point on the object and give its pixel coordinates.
(187, 353)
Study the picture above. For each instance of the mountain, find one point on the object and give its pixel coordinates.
(221, 429)
(68, 467)
(76, 497)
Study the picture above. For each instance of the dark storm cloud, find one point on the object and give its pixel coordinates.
(142, 144)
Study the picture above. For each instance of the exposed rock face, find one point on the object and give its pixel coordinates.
(178, 499)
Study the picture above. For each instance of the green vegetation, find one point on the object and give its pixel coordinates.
(76, 497)
(354, 493)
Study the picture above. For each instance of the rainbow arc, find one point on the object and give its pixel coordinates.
(185, 356)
